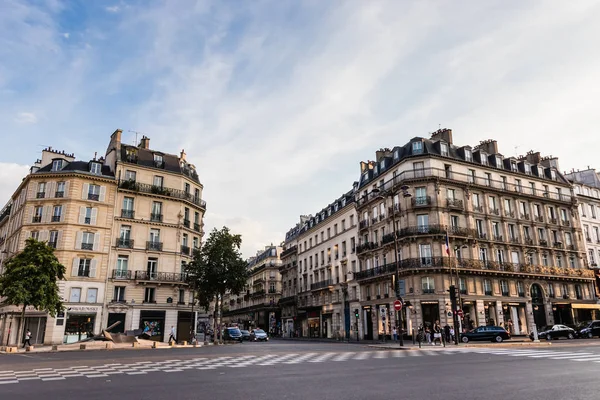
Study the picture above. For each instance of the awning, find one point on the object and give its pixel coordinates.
(586, 306)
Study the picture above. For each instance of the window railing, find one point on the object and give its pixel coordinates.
(186, 223)
(421, 201)
(87, 246)
(321, 285)
(93, 196)
(125, 243)
(40, 195)
(128, 214)
(197, 227)
(156, 217)
(59, 194)
(53, 244)
(56, 218)
(160, 276)
(121, 274)
(185, 250)
(154, 245)
(36, 219)
(163, 191)
(454, 203)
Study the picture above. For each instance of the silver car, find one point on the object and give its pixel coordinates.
(259, 335)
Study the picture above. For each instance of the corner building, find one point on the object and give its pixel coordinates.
(289, 281)
(158, 224)
(514, 237)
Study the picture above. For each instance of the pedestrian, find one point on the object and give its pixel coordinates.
(395, 334)
(509, 326)
(447, 332)
(437, 333)
(452, 334)
(428, 334)
(172, 336)
(27, 340)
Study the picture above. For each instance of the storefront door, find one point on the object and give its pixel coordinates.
(114, 318)
(537, 302)
(78, 327)
(152, 323)
(367, 323)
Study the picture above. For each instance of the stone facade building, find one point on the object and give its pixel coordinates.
(257, 307)
(515, 246)
(327, 290)
(289, 279)
(122, 225)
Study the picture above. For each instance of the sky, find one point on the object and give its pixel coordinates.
(276, 103)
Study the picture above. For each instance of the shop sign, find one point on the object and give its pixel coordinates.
(83, 309)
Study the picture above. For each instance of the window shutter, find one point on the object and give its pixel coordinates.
(96, 241)
(59, 239)
(102, 193)
(44, 236)
(31, 193)
(78, 239)
(84, 192)
(82, 215)
(75, 267)
(47, 214)
(51, 189)
(66, 189)
(93, 265)
(94, 216)
(63, 212)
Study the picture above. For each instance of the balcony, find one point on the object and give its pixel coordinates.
(361, 248)
(127, 214)
(553, 221)
(121, 274)
(93, 196)
(363, 224)
(387, 238)
(509, 214)
(87, 246)
(55, 218)
(321, 285)
(59, 194)
(162, 191)
(494, 211)
(498, 238)
(156, 217)
(488, 292)
(36, 219)
(123, 243)
(258, 293)
(558, 245)
(515, 240)
(538, 218)
(525, 217)
(40, 195)
(375, 272)
(454, 203)
(564, 222)
(394, 209)
(186, 223)
(543, 242)
(570, 247)
(374, 220)
(421, 201)
(197, 227)
(529, 241)
(185, 250)
(478, 208)
(154, 246)
(160, 276)
(428, 290)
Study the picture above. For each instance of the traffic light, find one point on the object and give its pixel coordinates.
(452, 291)
(356, 313)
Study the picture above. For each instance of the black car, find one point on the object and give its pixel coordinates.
(232, 334)
(555, 332)
(490, 333)
(588, 329)
(245, 335)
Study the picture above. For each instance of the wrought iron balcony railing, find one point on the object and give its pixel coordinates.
(124, 243)
(160, 276)
(321, 284)
(154, 245)
(162, 191)
(121, 274)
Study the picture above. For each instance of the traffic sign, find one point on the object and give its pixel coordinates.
(459, 313)
(397, 305)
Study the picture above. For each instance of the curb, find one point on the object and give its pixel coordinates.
(49, 349)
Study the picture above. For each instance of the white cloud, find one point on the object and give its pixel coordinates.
(26, 118)
(66, 35)
(113, 9)
(11, 176)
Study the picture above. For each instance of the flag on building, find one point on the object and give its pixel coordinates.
(447, 244)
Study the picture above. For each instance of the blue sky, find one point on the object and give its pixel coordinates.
(277, 102)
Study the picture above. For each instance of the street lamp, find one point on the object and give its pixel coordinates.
(391, 194)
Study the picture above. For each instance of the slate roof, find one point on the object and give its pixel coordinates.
(145, 157)
(77, 166)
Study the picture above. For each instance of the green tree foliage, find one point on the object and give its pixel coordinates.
(218, 268)
(30, 279)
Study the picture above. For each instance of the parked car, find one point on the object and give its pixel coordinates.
(555, 332)
(245, 334)
(232, 334)
(492, 333)
(588, 329)
(259, 335)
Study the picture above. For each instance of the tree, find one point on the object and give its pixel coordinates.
(217, 269)
(30, 279)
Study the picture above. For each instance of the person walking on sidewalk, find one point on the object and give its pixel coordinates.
(437, 333)
(172, 335)
(395, 334)
(27, 341)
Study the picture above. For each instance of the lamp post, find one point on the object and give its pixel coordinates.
(391, 194)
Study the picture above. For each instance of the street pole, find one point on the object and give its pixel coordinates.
(397, 281)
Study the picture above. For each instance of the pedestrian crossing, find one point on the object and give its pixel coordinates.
(225, 362)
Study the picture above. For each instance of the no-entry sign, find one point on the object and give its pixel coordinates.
(397, 305)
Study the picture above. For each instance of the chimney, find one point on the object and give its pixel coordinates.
(533, 158)
(144, 143)
(116, 136)
(489, 146)
(182, 155)
(444, 134)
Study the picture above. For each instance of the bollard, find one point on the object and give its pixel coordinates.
(82, 347)
(135, 344)
(155, 345)
(54, 347)
(28, 348)
(171, 343)
(185, 342)
(11, 349)
(109, 345)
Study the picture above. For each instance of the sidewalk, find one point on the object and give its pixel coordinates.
(95, 346)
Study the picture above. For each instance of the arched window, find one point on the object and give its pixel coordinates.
(427, 284)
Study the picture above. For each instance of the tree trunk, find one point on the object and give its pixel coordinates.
(222, 341)
(215, 312)
(20, 331)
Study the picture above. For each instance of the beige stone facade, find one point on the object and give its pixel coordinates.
(513, 230)
(122, 225)
(327, 290)
(289, 279)
(257, 307)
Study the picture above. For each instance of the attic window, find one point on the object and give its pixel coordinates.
(417, 147)
(158, 161)
(513, 166)
(468, 155)
(484, 158)
(343, 202)
(335, 207)
(132, 155)
(382, 164)
(95, 168)
(57, 165)
(498, 161)
(396, 155)
(444, 149)
(553, 174)
(527, 168)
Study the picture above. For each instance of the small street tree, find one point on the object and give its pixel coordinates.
(30, 279)
(217, 269)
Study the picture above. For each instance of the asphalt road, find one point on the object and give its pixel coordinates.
(300, 370)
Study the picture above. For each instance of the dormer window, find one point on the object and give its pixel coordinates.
(484, 158)
(444, 149)
(382, 164)
(343, 202)
(158, 161)
(527, 168)
(95, 168)
(417, 147)
(553, 174)
(396, 155)
(335, 208)
(57, 165)
(498, 161)
(468, 155)
(513, 166)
